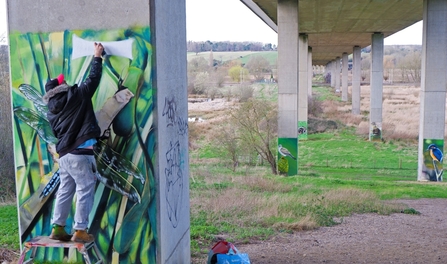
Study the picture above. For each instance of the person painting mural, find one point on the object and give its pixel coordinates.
(74, 124)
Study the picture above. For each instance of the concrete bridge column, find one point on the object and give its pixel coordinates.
(356, 72)
(303, 86)
(337, 74)
(433, 91)
(332, 70)
(310, 72)
(344, 79)
(287, 84)
(375, 117)
(146, 220)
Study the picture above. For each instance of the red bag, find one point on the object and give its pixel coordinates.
(221, 247)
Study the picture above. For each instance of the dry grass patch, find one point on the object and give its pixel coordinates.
(9, 256)
(262, 184)
(354, 200)
(305, 223)
(229, 204)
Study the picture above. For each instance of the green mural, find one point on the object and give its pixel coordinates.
(302, 130)
(432, 169)
(375, 132)
(124, 212)
(287, 156)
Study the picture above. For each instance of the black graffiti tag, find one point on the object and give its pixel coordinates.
(174, 183)
(182, 126)
(170, 110)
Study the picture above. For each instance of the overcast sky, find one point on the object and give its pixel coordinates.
(231, 20)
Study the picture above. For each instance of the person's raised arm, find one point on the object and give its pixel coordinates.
(88, 87)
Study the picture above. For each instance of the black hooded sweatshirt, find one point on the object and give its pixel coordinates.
(70, 110)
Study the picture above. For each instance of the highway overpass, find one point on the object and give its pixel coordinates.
(324, 32)
(335, 26)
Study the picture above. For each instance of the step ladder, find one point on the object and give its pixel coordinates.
(43, 241)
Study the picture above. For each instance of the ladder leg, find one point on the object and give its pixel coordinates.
(22, 256)
(98, 255)
(33, 252)
(86, 257)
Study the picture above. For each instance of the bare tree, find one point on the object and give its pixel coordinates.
(228, 142)
(413, 61)
(256, 123)
(258, 66)
(195, 66)
(388, 66)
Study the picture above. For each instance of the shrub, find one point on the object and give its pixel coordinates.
(201, 82)
(238, 73)
(245, 93)
(314, 106)
(256, 123)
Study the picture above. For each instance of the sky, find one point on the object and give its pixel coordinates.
(231, 20)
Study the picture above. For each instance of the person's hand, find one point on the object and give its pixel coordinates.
(99, 49)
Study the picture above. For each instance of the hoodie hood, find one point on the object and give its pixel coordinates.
(56, 97)
(51, 92)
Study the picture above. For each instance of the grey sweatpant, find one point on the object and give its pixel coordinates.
(77, 175)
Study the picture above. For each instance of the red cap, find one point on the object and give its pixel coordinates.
(60, 79)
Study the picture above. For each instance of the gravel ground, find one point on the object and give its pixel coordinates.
(363, 238)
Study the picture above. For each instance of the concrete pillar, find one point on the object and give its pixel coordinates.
(356, 76)
(337, 74)
(144, 220)
(310, 71)
(344, 79)
(171, 170)
(433, 90)
(332, 71)
(303, 86)
(287, 84)
(375, 117)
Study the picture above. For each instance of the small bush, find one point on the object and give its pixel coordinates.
(201, 82)
(314, 106)
(411, 211)
(213, 93)
(245, 93)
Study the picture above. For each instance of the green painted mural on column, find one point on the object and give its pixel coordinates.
(433, 157)
(375, 131)
(287, 156)
(124, 212)
(302, 130)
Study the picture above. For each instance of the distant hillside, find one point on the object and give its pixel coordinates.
(394, 53)
(242, 56)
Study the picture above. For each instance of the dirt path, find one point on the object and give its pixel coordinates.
(366, 238)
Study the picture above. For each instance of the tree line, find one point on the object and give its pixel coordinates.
(202, 46)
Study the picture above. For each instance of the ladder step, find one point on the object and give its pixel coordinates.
(44, 241)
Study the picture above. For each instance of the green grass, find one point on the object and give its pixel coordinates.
(343, 149)
(270, 56)
(9, 230)
(325, 94)
(339, 174)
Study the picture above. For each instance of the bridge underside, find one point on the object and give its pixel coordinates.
(335, 26)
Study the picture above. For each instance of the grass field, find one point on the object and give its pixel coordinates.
(242, 56)
(340, 173)
(254, 204)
